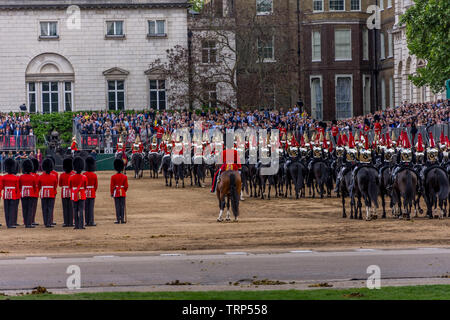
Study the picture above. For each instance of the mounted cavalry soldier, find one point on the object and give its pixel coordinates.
(233, 163)
(154, 147)
(365, 158)
(292, 152)
(121, 149)
(387, 152)
(405, 158)
(138, 147)
(349, 155)
(431, 159)
(74, 146)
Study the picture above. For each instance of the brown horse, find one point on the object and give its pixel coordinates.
(229, 186)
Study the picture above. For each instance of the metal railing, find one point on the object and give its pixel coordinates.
(17, 143)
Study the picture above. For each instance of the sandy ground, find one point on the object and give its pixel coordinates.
(170, 219)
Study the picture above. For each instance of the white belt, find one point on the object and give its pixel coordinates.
(23, 191)
(90, 187)
(115, 189)
(66, 192)
(44, 188)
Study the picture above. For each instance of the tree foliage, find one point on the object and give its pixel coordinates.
(44, 124)
(428, 37)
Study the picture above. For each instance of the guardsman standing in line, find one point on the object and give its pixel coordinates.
(48, 185)
(78, 184)
(11, 193)
(28, 186)
(35, 195)
(118, 189)
(92, 185)
(54, 173)
(65, 192)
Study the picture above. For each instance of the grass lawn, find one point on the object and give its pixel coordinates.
(427, 292)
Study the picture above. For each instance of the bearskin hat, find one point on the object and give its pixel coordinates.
(68, 165)
(334, 122)
(78, 164)
(47, 165)
(35, 165)
(90, 164)
(119, 165)
(376, 117)
(52, 159)
(10, 166)
(322, 124)
(27, 166)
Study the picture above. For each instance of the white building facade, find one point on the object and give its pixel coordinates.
(406, 64)
(94, 56)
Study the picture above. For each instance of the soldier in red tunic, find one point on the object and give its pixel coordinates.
(48, 185)
(74, 146)
(65, 192)
(11, 193)
(78, 185)
(35, 195)
(230, 161)
(28, 186)
(92, 185)
(54, 173)
(118, 189)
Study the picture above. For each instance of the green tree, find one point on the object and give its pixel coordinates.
(428, 37)
(197, 5)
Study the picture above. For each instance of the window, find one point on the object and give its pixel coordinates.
(68, 96)
(391, 92)
(210, 95)
(337, 5)
(316, 52)
(50, 97)
(157, 28)
(158, 94)
(116, 95)
(383, 94)
(317, 5)
(343, 97)
(355, 5)
(265, 49)
(316, 98)
(264, 7)
(365, 43)
(32, 97)
(381, 4)
(343, 44)
(390, 45)
(382, 47)
(114, 28)
(49, 29)
(209, 51)
(389, 3)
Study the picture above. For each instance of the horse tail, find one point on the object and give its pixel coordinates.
(373, 189)
(299, 181)
(409, 190)
(234, 196)
(443, 185)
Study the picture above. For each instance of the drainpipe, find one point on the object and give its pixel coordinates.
(375, 65)
(298, 52)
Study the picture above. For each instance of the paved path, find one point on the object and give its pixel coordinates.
(218, 270)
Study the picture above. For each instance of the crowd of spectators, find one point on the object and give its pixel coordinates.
(148, 122)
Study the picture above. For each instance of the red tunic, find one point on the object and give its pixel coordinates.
(119, 185)
(334, 131)
(138, 148)
(77, 185)
(10, 187)
(35, 193)
(92, 184)
(121, 148)
(159, 132)
(64, 184)
(74, 147)
(377, 127)
(154, 149)
(28, 185)
(233, 163)
(48, 185)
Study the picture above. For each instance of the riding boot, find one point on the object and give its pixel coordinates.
(338, 183)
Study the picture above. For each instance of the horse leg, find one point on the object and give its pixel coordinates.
(359, 207)
(383, 204)
(344, 215)
(221, 207)
(268, 196)
(228, 208)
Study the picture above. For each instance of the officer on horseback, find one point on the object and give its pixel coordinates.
(431, 158)
(405, 158)
(230, 161)
(364, 158)
(347, 156)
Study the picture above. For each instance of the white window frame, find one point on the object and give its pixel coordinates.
(116, 91)
(359, 6)
(322, 2)
(369, 102)
(351, 92)
(313, 98)
(67, 91)
(382, 46)
(391, 92)
(263, 13)
(333, 10)
(48, 22)
(315, 59)
(383, 93)
(335, 46)
(381, 5)
(50, 95)
(157, 90)
(34, 93)
(389, 4)
(209, 92)
(365, 42)
(115, 35)
(273, 50)
(390, 45)
(164, 34)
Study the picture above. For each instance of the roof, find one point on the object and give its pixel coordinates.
(91, 4)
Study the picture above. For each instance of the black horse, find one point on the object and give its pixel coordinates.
(320, 174)
(404, 188)
(167, 169)
(296, 172)
(366, 186)
(137, 160)
(154, 161)
(436, 189)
